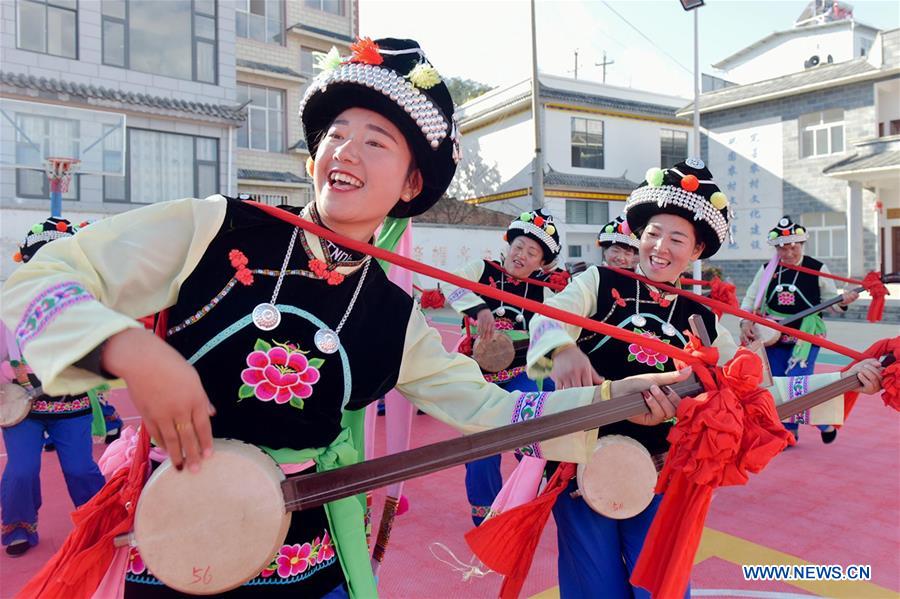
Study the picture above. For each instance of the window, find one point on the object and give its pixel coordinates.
(821, 133)
(165, 166)
(48, 26)
(38, 136)
(574, 251)
(581, 212)
(180, 41)
(335, 7)
(264, 127)
(587, 143)
(308, 61)
(827, 234)
(673, 147)
(272, 199)
(260, 20)
(865, 44)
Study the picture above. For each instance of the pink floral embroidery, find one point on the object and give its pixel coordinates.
(645, 355)
(136, 562)
(786, 298)
(326, 551)
(281, 373)
(293, 559)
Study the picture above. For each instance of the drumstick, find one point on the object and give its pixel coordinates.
(698, 328)
(790, 320)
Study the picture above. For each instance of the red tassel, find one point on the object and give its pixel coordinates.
(432, 298)
(890, 378)
(876, 288)
(724, 292)
(506, 542)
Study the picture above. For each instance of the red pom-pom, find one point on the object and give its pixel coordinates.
(785, 232)
(539, 221)
(366, 52)
(237, 259)
(690, 183)
(17, 257)
(244, 276)
(432, 298)
(62, 226)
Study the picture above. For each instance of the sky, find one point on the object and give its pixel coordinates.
(489, 40)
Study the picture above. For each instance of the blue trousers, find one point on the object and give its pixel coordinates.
(778, 355)
(483, 478)
(597, 554)
(20, 487)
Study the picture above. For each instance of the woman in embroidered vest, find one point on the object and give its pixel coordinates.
(680, 215)
(533, 244)
(618, 244)
(789, 292)
(283, 336)
(66, 419)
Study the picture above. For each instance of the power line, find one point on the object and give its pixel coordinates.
(641, 33)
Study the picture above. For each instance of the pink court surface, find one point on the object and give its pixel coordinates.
(814, 504)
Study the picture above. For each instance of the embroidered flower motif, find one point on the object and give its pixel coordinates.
(326, 550)
(135, 562)
(366, 51)
(293, 559)
(786, 298)
(320, 269)
(660, 299)
(239, 263)
(281, 373)
(244, 276)
(647, 356)
(617, 298)
(503, 324)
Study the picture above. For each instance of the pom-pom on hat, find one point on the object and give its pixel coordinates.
(40, 234)
(539, 226)
(617, 231)
(687, 190)
(393, 78)
(787, 231)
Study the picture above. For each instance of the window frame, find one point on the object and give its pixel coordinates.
(815, 229)
(321, 7)
(573, 203)
(821, 125)
(194, 170)
(312, 51)
(283, 20)
(195, 42)
(663, 163)
(46, 4)
(587, 144)
(267, 110)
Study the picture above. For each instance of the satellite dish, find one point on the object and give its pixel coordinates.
(830, 59)
(812, 61)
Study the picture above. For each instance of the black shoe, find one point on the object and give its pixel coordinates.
(829, 436)
(17, 548)
(49, 447)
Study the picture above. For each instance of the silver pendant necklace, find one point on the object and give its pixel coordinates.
(501, 311)
(327, 340)
(265, 315)
(637, 320)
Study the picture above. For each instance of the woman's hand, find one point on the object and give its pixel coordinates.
(869, 374)
(661, 400)
(848, 297)
(572, 368)
(748, 333)
(485, 325)
(167, 393)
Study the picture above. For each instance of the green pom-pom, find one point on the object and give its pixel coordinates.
(424, 76)
(37, 229)
(609, 228)
(799, 231)
(525, 217)
(773, 235)
(328, 62)
(655, 176)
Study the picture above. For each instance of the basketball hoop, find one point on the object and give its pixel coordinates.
(59, 172)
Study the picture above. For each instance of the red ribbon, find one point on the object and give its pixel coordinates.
(717, 305)
(872, 283)
(721, 435)
(721, 291)
(890, 377)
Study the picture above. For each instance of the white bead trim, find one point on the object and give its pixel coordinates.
(666, 195)
(429, 118)
(537, 232)
(784, 240)
(630, 240)
(32, 239)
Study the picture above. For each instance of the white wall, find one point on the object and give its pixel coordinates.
(787, 54)
(888, 103)
(449, 247)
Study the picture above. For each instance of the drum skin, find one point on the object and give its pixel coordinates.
(767, 335)
(619, 479)
(496, 354)
(208, 532)
(15, 404)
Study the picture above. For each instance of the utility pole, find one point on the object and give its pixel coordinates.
(576, 63)
(603, 64)
(537, 175)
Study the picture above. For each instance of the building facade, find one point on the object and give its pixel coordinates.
(598, 140)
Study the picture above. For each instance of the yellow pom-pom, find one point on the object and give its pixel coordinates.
(719, 200)
(799, 231)
(654, 177)
(550, 229)
(424, 76)
(310, 166)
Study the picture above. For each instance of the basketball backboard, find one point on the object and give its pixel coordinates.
(31, 132)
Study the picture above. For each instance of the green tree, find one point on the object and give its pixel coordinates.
(463, 90)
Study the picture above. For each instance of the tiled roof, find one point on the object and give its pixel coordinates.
(93, 93)
(629, 106)
(274, 176)
(785, 84)
(588, 181)
(271, 68)
(325, 32)
(856, 163)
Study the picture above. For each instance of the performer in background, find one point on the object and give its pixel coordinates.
(789, 292)
(618, 244)
(533, 243)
